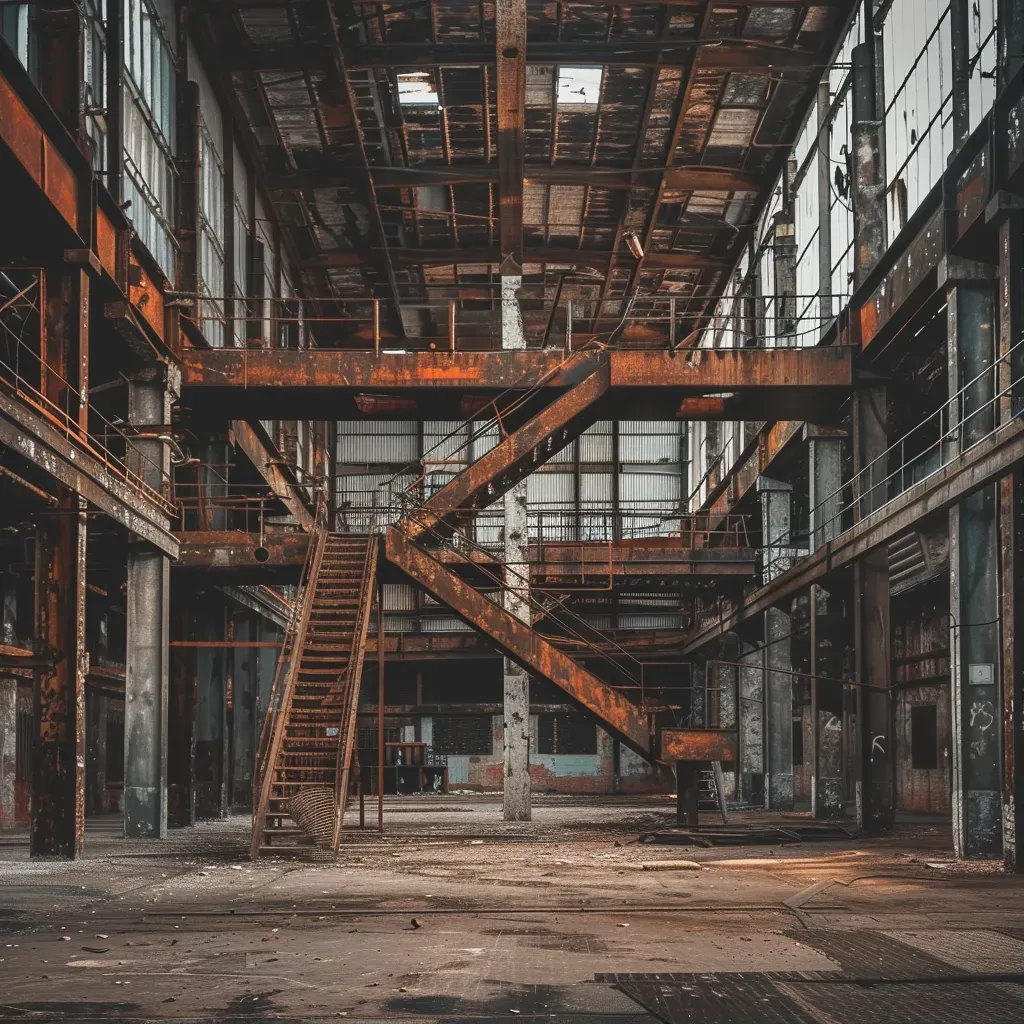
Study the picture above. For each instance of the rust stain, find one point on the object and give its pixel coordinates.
(148, 300)
(28, 142)
(698, 745)
(106, 243)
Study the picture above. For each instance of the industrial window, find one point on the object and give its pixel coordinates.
(149, 131)
(16, 28)
(463, 734)
(566, 734)
(924, 736)
(798, 741)
(417, 89)
(211, 238)
(579, 87)
(94, 54)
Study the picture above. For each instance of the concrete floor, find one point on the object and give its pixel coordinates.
(555, 920)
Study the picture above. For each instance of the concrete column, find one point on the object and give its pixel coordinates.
(784, 250)
(875, 791)
(824, 451)
(778, 667)
(8, 747)
(975, 649)
(243, 715)
(827, 790)
(147, 654)
(727, 714)
(1006, 212)
(751, 734)
(776, 500)
(58, 755)
(868, 184)
(516, 784)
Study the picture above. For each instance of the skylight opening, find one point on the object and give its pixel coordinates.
(579, 87)
(417, 89)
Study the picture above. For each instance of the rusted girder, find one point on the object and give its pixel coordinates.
(268, 466)
(716, 54)
(697, 178)
(791, 383)
(233, 553)
(58, 753)
(494, 255)
(516, 455)
(698, 745)
(510, 51)
(26, 433)
(521, 643)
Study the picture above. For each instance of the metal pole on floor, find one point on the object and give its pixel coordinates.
(380, 706)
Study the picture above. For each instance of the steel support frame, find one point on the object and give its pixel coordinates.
(1011, 533)
(975, 649)
(58, 754)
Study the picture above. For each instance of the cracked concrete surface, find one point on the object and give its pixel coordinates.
(455, 914)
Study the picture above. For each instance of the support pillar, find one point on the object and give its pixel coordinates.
(58, 755)
(974, 600)
(1011, 499)
(875, 791)
(8, 748)
(825, 476)
(147, 653)
(778, 667)
(776, 499)
(751, 733)
(516, 779)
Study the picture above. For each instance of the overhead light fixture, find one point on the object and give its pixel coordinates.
(634, 246)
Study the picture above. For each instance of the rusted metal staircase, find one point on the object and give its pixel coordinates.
(520, 641)
(529, 437)
(521, 449)
(306, 747)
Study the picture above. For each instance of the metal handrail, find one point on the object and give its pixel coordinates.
(942, 437)
(352, 683)
(287, 669)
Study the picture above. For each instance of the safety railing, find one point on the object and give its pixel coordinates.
(353, 681)
(554, 525)
(209, 500)
(965, 421)
(25, 375)
(286, 669)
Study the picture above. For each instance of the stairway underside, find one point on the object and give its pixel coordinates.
(521, 642)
